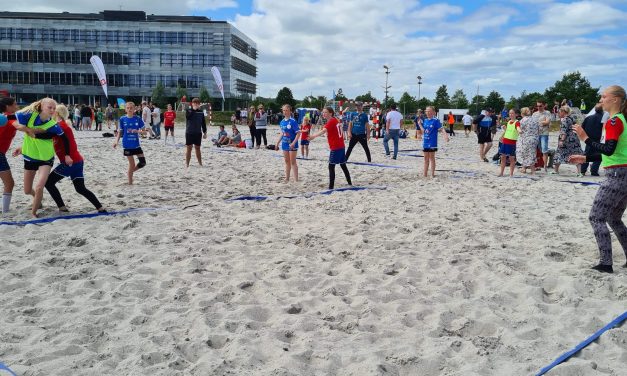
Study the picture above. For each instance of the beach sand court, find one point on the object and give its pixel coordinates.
(464, 274)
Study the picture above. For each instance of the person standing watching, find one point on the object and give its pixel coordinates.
(393, 121)
(261, 124)
(482, 127)
(195, 131)
(359, 131)
(543, 117)
(593, 126)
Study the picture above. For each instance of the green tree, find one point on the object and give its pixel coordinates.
(477, 104)
(368, 98)
(495, 101)
(181, 92)
(407, 104)
(204, 95)
(530, 99)
(459, 99)
(575, 87)
(158, 95)
(423, 103)
(284, 96)
(442, 100)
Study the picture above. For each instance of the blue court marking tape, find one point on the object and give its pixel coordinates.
(375, 165)
(460, 171)
(3, 367)
(617, 321)
(406, 150)
(580, 182)
(226, 150)
(301, 158)
(77, 216)
(310, 194)
(525, 177)
(411, 155)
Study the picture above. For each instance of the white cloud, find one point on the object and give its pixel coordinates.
(577, 18)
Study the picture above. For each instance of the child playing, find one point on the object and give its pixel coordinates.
(99, 119)
(304, 137)
(430, 128)
(131, 126)
(73, 171)
(289, 142)
(507, 146)
(336, 145)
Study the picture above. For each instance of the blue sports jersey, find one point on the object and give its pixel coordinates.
(486, 122)
(359, 123)
(430, 137)
(289, 127)
(130, 140)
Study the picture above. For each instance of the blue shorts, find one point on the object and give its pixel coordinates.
(507, 149)
(337, 156)
(304, 142)
(4, 164)
(75, 171)
(285, 146)
(544, 143)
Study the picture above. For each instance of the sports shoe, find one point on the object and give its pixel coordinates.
(604, 268)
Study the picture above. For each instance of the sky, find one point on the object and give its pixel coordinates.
(315, 47)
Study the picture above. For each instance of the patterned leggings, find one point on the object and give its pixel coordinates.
(607, 209)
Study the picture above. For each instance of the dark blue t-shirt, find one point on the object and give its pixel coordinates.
(359, 123)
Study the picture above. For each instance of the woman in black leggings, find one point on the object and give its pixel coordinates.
(611, 198)
(74, 171)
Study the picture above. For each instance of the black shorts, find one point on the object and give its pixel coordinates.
(34, 165)
(429, 150)
(130, 152)
(193, 138)
(467, 127)
(484, 135)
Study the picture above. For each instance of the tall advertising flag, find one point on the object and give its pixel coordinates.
(218, 78)
(100, 72)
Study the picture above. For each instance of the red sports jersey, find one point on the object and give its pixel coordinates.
(334, 134)
(168, 118)
(58, 144)
(7, 132)
(304, 132)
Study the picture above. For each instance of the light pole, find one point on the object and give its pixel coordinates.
(386, 87)
(419, 83)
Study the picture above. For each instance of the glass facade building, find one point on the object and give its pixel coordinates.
(47, 54)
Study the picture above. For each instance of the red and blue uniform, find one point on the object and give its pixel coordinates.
(75, 171)
(336, 142)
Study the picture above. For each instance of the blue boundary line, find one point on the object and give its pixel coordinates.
(306, 195)
(580, 182)
(564, 357)
(4, 367)
(77, 216)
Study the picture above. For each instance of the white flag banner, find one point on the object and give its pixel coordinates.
(218, 78)
(100, 72)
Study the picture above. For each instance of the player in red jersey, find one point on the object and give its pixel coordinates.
(8, 106)
(168, 121)
(333, 129)
(74, 172)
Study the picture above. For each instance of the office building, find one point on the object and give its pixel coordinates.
(47, 54)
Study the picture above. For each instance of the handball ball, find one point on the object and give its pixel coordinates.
(3, 120)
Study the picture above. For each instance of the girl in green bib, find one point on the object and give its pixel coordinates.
(611, 198)
(38, 153)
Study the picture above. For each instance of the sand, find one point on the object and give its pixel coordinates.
(464, 274)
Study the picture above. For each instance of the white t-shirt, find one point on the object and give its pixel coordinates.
(156, 116)
(395, 118)
(467, 119)
(146, 115)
